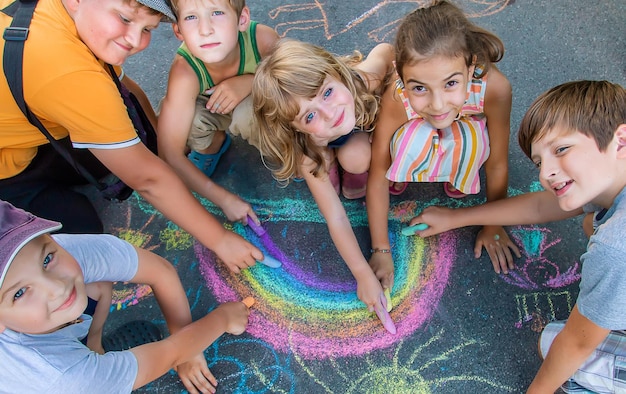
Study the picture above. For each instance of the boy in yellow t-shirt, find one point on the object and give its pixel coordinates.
(67, 41)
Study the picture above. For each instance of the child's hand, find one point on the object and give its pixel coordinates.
(236, 252)
(368, 289)
(499, 246)
(226, 95)
(382, 265)
(438, 219)
(236, 209)
(237, 313)
(196, 376)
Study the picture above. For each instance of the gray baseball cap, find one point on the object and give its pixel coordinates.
(163, 6)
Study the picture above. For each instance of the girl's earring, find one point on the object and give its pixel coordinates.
(458, 116)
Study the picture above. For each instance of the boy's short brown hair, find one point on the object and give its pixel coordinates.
(236, 5)
(593, 108)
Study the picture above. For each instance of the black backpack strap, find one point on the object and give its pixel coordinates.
(11, 8)
(13, 63)
(136, 113)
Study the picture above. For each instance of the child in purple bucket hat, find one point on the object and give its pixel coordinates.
(45, 282)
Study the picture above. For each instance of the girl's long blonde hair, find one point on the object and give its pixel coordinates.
(294, 70)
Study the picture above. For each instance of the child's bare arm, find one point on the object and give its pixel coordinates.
(170, 295)
(377, 64)
(329, 204)
(571, 347)
(175, 121)
(529, 208)
(391, 116)
(155, 359)
(159, 184)
(229, 93)
(101, 292)
(161, 276)
(494, 239)
(266, 38)
(497, 109)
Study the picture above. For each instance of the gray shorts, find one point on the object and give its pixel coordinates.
(603, 372)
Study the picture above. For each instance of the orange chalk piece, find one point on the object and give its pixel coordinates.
(248, 301)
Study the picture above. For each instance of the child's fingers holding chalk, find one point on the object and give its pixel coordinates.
(270, 261)
(387, 294)
(414, 229)
(383, 315)
(248, 302)
(255, 224)
(256, 227)
(438, 219)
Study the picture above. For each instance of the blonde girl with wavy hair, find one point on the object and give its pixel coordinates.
(316, 110)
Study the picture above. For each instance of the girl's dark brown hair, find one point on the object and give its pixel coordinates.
(442, 29)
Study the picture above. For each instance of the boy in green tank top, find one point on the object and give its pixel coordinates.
(208, 92)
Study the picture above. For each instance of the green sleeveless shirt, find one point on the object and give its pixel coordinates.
(249, 57)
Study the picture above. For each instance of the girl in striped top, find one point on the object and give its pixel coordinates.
(454, 120)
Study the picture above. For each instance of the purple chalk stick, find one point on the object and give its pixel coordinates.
(270, 261)
(259, 230)
(383, 315)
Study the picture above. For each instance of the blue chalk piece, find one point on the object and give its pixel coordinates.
(259, 230)
(270, 262)
(411, 230)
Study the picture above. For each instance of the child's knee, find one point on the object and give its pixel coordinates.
(356, 154)
(244, 123)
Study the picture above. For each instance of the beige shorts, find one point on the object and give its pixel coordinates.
(240, 122)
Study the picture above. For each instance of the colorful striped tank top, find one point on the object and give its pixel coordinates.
(421, 153)
(248, 60)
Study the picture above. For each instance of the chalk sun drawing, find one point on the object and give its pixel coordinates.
(298, 311)
(390, 374)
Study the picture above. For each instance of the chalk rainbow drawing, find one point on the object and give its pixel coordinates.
(303, 317)
(297, 311)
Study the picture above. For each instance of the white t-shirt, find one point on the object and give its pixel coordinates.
(58, 362)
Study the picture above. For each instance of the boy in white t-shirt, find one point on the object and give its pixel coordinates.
(44, 284)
